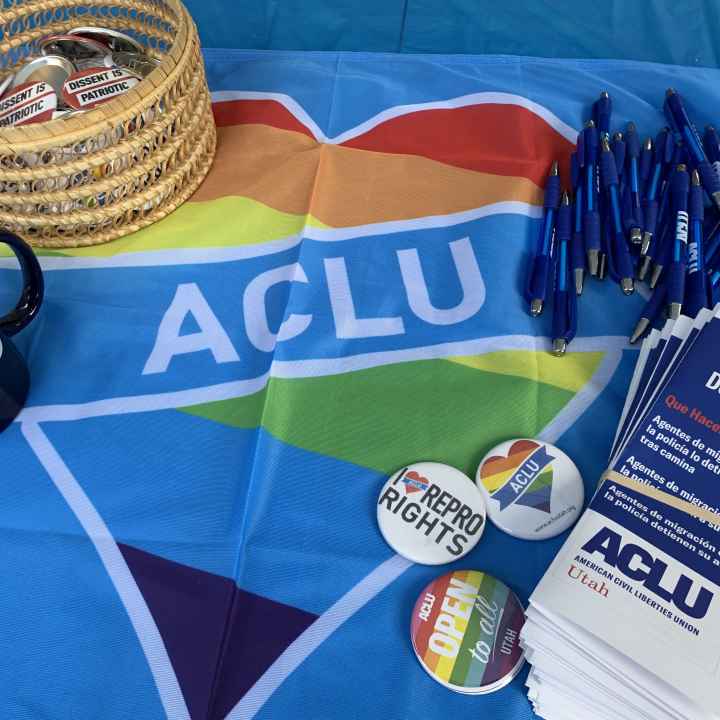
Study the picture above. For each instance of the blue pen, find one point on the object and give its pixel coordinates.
(591, 215)
(684, 129)
(714, 289)
(634, 221)
(652, 310)
(711, 143)
(646, 162)
(712, 248)
(621, 264)
(650, 200)
(602, 111)
(619, 148)
(661, 244)
(564, 302)
(577, 247)
(539, 276)
(696, 292)
(679, 189)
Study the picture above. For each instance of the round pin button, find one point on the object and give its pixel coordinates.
(465, 631)
(112, 39)
(28, 103)
(72, 47)
(139, 64)
(51, 69)
(533, 490)
(86, 89)
(431, 513)
(6, 83)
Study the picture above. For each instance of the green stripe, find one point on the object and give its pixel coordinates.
(541, 481)
(380, 417)
(466, 667)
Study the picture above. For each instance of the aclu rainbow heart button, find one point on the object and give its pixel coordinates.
(465, 631)
(431, 513)
(533, 490)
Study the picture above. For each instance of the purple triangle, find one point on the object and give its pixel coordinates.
(260, 631)
(538, 499)
(191, 608)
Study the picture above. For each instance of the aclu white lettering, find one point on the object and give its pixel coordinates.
(211, 336)
(681, 226)
(636, 563)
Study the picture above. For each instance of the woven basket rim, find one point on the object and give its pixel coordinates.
(105, 117)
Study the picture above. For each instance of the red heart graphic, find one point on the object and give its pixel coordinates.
(417, 478)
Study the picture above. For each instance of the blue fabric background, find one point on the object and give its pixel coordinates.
(681, 33)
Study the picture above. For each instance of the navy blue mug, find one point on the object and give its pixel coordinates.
(14, 374)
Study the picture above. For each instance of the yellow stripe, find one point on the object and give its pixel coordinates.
(570, 372)
(493, 482)
(445, 665)
(226, 222)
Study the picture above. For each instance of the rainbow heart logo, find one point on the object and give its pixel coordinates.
(523, 477)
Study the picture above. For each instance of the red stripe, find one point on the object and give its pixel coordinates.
(261, 112)
(500, 139)
(494, 138)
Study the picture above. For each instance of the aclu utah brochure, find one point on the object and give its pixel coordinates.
(640, 572)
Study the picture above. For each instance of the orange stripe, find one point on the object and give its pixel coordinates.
(500, 464)
(343, 187)
(275, 167)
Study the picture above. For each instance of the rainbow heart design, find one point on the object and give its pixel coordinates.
(506, 477)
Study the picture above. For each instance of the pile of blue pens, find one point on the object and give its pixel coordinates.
(637, 211)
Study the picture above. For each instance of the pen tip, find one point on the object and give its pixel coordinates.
(592, 256)
(709, 128)
(602, 266)
(657, 271)
(681, 168)
(565, 199)
(536, 307)
(605, 94)
(590, 124)
(631, 127)
(627, 285)
(554, 169)
(579, 279)
(644, 267)
(695, 177)
(640, 328)
(648, 144)
(635, 235)
(559, 346)
(604, 143)
(670, 91)
(645, 245)
(618, 136)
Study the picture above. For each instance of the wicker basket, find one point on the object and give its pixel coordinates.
(97, 176)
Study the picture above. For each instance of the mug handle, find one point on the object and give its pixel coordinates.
(33, 287)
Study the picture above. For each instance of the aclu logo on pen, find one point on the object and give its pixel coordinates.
(636, 563)
(523, 477)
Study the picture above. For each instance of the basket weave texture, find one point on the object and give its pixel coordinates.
(94, 177)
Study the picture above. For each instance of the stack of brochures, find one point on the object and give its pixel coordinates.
(625, 625)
